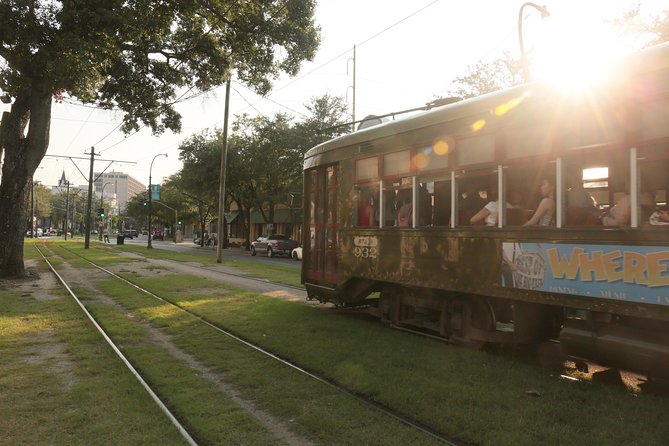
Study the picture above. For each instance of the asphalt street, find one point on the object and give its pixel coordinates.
(232, 252)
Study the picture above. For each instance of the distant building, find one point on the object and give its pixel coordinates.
(121, 187)
(62, 186)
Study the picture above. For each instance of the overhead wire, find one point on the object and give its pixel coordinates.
(348, 50)
(184, 98)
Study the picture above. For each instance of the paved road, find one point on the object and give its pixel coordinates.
(233, 252)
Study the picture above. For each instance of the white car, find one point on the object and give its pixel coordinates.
(297, 253)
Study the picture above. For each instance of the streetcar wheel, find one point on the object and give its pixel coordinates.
(253, 251)
(295, 256)
(481, 318)
(389, 304)
(270, 253)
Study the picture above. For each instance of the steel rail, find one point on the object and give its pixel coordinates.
(184, 433)
(360, 398)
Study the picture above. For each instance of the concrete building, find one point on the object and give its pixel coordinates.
(118, 185)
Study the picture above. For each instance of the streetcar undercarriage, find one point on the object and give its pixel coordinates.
(624, 342)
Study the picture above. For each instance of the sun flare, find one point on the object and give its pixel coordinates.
(576, 55)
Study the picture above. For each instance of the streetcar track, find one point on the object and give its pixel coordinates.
(173, 419)
(377, 406)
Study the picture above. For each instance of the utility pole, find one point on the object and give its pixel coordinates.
(32, 208)
(74, 212)
(91, 180)
(353, 88)
(67, 207)
(87, 236)
(221, 182)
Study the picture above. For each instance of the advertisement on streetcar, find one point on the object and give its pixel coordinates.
(619, 272)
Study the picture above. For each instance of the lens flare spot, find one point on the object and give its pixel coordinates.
(420, 160)
(510, 105)
(441, 147)
(478, 125)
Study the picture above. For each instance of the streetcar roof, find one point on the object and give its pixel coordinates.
(427, 118)
(649, 60)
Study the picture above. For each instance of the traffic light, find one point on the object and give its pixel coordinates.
(146, 203)
(101, 212)
(180, 222)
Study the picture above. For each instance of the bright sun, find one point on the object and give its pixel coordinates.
(575, 54)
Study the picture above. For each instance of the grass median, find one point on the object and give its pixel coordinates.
(285, 275)
(474, 396)
(60, 383)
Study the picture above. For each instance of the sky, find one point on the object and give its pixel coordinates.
(407, 53)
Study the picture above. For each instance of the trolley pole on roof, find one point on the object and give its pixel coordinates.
(523, 57)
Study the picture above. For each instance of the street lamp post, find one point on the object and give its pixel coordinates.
(148, 246)
(102, 195)
(523, 58)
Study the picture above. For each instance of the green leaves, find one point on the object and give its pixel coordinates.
(134, 55)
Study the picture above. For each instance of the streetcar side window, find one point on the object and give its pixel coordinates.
(474, 193)
(367, 198)
(367, 192)
(654, 176)
(397, 195)
(433, 201)
(581, 208)
(517, 210)
(595, 187)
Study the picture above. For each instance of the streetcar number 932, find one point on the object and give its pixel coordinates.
(365, 252)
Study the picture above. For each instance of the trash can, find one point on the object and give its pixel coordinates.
(120, 239)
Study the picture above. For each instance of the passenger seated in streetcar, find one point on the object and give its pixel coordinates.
(490, 212)
(621, 213)
(543, 216)
(660, 216)
(470, 204)
(581, 206)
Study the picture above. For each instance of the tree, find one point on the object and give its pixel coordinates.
(271, 150)
(655, 28)
(38, 204)
(201, 157)
(132, 56)
(328, 119)
(264, 160)
(486, 77)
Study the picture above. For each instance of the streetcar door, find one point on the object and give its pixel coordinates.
(320, 244)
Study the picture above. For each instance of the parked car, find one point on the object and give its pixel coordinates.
(274, 244)
(38, 231)
(297, 253)
(158, 234)
(130, 233)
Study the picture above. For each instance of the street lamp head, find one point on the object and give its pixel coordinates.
(545, 14)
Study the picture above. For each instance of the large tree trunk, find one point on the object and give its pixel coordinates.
(23, 153)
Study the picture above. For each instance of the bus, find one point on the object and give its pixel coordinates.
(432, 221)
